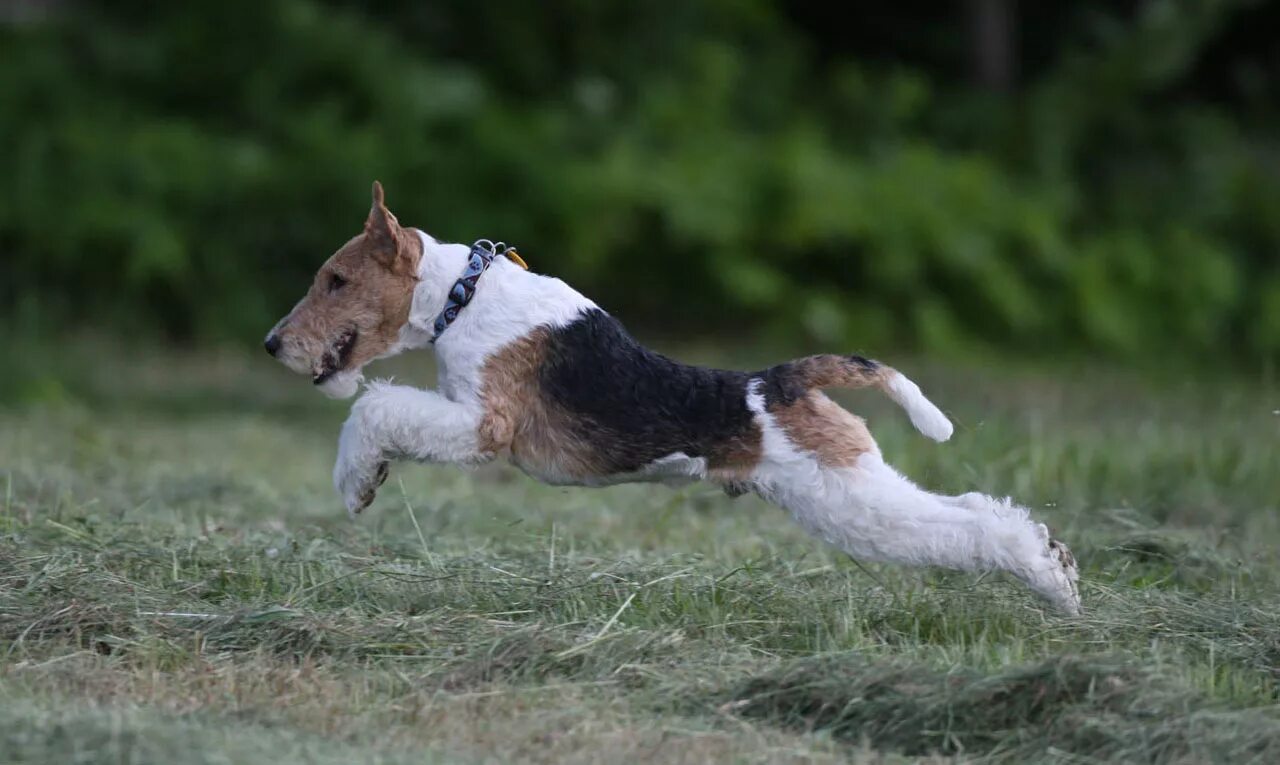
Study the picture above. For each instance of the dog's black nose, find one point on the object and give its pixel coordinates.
(272, 344)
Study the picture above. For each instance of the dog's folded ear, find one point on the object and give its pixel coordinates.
(383, 230)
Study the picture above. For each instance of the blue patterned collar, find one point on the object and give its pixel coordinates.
(482, 256)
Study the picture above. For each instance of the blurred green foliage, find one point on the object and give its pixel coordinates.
(726, 165)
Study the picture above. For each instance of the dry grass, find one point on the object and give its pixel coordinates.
(178, 584)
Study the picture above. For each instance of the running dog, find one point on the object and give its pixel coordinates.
(531, 369)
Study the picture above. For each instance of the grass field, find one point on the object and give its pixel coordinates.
(178, 583)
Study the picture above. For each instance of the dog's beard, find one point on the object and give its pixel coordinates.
(342, 384)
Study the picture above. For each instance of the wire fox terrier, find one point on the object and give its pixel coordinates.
(531, 368)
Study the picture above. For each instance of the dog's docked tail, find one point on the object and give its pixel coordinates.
(830, 370)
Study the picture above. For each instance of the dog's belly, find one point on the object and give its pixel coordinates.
(547, 471)
(673, 470)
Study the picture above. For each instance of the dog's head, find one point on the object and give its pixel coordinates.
(357, 304)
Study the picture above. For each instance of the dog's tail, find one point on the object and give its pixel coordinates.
(830, 370)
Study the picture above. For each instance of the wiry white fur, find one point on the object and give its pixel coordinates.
(873, 513)
(927, 418)
(508, 305)
(396, 421)
(342, 384)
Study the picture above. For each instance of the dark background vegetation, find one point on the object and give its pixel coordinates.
(1045, 177)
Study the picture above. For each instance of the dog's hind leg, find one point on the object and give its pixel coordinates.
(873, 513)
(819, 462)
(398, 422)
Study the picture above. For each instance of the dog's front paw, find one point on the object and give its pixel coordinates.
(358, 489)
(360, 469)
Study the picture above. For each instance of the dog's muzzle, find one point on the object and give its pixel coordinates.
(336, 358)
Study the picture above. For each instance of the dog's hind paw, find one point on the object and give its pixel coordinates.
(1059, 585)
(1053, 574)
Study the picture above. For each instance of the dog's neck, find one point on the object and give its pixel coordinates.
(439, 267)
(509, 302)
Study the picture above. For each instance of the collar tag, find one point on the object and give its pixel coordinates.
(514, 257)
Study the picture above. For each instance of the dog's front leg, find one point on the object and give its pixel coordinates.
(398, 422)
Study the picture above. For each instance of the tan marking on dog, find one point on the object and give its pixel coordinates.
(828, 370)
(518, 419)
(733, 460)
(380, 270)
(822, 427)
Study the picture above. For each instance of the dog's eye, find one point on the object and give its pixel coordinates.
(336, 283)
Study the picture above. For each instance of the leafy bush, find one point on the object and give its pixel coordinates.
(186, 169)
